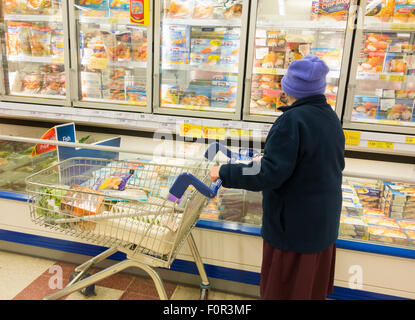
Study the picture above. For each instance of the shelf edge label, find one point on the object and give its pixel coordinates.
(380, 144)
(352, 137)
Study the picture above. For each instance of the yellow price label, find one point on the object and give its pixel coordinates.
(214, 133)
(410, 140)
(392, 77)
(191, 130)
(402, 26)
(380, 144)
(391, 122)
(98, 63)
(215, 42)
(267, 71)
(214, 58)
(57, 60)
(352, 137)
(239, 132)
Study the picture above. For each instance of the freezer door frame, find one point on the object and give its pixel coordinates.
(353, 83)
(75, 69)
(348, 39)
(66, 102)
(157, 69)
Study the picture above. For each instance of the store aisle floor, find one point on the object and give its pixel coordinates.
(30, 278)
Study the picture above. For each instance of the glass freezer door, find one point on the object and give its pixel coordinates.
(200, 46)
(282, 31)
(112, 57)
(381, 92)
(35, 52)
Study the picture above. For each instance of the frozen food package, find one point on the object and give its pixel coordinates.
(57, 42)
(18, 38)
(365, 107)
(373, 212)
(196, 96)
(233, 9)
(295, 51)
(379, 10)
(169, 94)
(120, 49)
(139, 45)
(119, 8)
(380, 221)
(406, 224)
(203, 9)
(32, 83)
(331, 56)
(136, 94)
(387, 235)
(330, 9)
(353, 227)
(396, 109)
(404, 13)
(39, 6)
(54, 84)
(371, 62)
(205, 51)
(40, 38)
(411, 237)
(395, 63)
(176, 44)
(91, 85)
(96, 8)
(14, 6)
(82, 201)
(180, 9)
(224, 90)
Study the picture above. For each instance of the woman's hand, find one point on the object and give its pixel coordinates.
(214, 173)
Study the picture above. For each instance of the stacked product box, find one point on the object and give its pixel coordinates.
(408, 227)
(351, 204)
(368, 191)
(353, 227)
(399, 201)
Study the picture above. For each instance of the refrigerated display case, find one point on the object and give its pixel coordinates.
(201, 46)
(283, 31)
(111, 56)
(381, 88)
(35, 52)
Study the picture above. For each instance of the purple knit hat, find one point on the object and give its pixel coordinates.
(305, 77)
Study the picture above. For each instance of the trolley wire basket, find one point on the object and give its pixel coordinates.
(145, 209)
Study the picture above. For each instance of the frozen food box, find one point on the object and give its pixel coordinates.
(365, 107)
(387, 235)
(373, 212)
(203, 9)
(96, 8)
(170, 94)
(205, 51)
(396, 109)
(224, 90)
(180, 9)
(380, 221)
(136, 94)
(295, 51)
(331, 56)
(91, 85)
(411, 237)
(176, 44)
(406, 224)
(18, 38)
(196, 96)
(379, 10)
(119, 8)
(395, 63)
(377, 42)
(371, 62)
(400, 193)
(330, 9)
(404, 13)
(353, 227)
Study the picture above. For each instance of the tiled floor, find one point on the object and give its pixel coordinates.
(29, 278)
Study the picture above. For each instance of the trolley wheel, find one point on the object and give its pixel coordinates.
(87, 291)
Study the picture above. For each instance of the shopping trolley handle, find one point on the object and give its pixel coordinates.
(183, 181)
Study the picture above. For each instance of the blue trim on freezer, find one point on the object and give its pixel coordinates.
(235, 227)
(178, 265)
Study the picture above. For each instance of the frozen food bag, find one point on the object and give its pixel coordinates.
(40, 37)
(93, 8)
(136, 95)
(57, 43)
(18, 38)
(180, 9)
(379, 10)
(119, 8)
(91, 85)
(39, 6)
(365, 107)
(32, 83)
(203, 9)
(139, 45)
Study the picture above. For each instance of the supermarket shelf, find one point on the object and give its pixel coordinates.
(33, 17)
(42, 96)
(385, 77)
(122, 64)
(108, 20)
(386, 122)
(204, 22)
(303, 24)
(118, 102)
(190, 67)
(45, 60)
(199, 108)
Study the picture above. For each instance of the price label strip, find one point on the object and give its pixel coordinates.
(190, 130)
(217, 133)
(410, 140)
(380, 144)
(352, 137)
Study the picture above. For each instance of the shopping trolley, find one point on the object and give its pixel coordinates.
(144, 209)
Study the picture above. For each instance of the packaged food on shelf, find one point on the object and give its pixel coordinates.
(404, 13)
(14, 6)
(371, 62)
(136, 94)
(176, 44)
(91, 85)
(205, 51)
(406, 224)
(396, 109)
(169, 94)
(353, 227)
(210, 210)
(196, 96)
(337, 10)
(203, 9)
(373, 212)
(119, 46)
(411, 237)
(96, 8)
(295, 51)
(139, 45)
(17, 38)
(387, 235)
(368, 191)
(380, 221)
(39, 7)
(365, 107)
(331, 56)
(224, 90)
(40, 38)
(396, 63)
(180, 9)
(32, 83)
(380, 10)
(53, 84)
(57, 42)
(119, 8)
(233, 9)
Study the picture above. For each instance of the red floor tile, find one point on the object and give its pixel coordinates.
(147, 287)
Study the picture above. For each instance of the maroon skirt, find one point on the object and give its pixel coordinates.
(287, 275)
